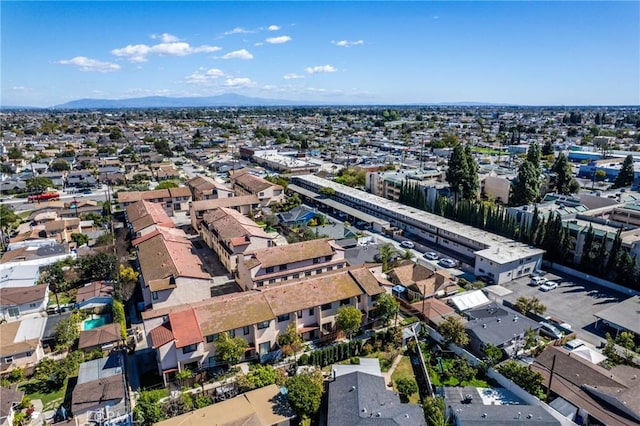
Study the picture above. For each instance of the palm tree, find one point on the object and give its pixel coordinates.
(385, 256)
(532, 304)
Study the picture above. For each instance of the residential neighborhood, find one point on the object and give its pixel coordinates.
(402, 265)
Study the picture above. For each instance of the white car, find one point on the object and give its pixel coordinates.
(431, 255)
(538, 280)
(548, 286)
(407, 244)
(447, 263)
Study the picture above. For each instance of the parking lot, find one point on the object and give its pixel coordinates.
(572, 302)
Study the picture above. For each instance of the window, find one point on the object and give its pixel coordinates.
(211, 360)
(329, 268)
(190, 348)
(29, 353)
(260, 283)
(296, 276)
(8, 359)
(33, 305)
(284, 278)
(272, 281)
(344, 302)
(358, 298)
(318, 271)
(269, 269)
(154, 295)
(299, 314)
(264, 348)
(263, 324)
(212, 337)
(283, 267)
(284, 317)
(327, 326)
(245, 330)
(340, 265)
(232, 333)
(307, 274)
(326, 306)
(327, 258)
(316, 260)
(14, 312)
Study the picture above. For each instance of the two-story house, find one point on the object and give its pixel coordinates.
(61, 229)
(230, 234)
(171, 199)
(170, 273)
(246, 183)
(185, 336)
(244, 204)
(278, 264)
(20, 343)
(19, 301)
(144, 217)
(205, 188)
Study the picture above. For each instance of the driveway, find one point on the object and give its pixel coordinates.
(572, 302)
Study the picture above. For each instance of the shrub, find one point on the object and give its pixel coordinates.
(304, 359)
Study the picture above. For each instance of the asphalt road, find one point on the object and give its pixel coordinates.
(572, 302)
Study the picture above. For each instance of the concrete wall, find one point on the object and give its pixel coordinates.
(594, 280)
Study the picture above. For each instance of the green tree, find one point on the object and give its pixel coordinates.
(14, 153)
(290, 341)
(167, 184)
(453, 331)
(530, 304)
(349, 319)
(230, 349)
(119, 317)
(547, 148)
(434, 411)
(261, 375)
(533, 156)
(100, 266)
(565, 183)
(38, 184)
(493, 354)
(7, 219)
(386, 251)
(60, 165)
(184, 375)
(523, 376)
(406, 387)
(386, 307)
(305, 394)
(327, 191)
(67, 330)
(148, 409)
(458, 171)
(55, 278)
(626, 173)
(79, 238)
(526, 188)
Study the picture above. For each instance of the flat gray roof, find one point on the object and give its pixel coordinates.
(625, 314)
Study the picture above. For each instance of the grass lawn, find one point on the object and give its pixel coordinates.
(488, 151)
(405, 370)
(35, 389)
(439, 379)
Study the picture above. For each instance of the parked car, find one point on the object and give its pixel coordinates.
(431, 255)
(538, 273)
(573, 344)
(447, 263)
(549, 330)
(538, 280)
(548, 286)
(407, 244)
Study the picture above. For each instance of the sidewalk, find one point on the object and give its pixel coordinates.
(387, 375)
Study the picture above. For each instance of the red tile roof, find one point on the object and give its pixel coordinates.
(161, 335)
(186, 329)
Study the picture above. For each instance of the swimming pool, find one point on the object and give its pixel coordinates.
(96, 321)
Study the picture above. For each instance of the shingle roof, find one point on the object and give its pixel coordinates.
(362, 399)
(97, 393)
(94, 289)
(231, 224)
(98, 336)
(142, 214)
(204, 205)
(234, 311)
(14, 296)
(296, 252)
(9, 396)
(161, 335)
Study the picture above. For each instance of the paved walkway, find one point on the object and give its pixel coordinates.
(387, 375)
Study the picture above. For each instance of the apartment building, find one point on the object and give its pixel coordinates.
(244, 183)
(185, 336)
(230, 234)
(144, 217)
(244, 204)
(205, 188)
(500, 258)
(172, 199)
(170, 273)
(278, 264)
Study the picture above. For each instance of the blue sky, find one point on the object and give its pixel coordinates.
(530, 53)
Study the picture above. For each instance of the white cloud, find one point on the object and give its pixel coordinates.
(88, 64)
(238, 54)
(292, 76)
(140, 52)
(258, 44)
(204, 78)
(273, 28)
(347, 43)
(278, 40)
(239, 82)
(320, 69)
(165, 37)
(237, 30)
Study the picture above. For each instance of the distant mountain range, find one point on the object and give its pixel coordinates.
(225, 100)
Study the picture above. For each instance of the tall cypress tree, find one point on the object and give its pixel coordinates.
(626, 173)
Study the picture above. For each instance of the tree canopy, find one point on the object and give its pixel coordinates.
(565, 183)
(305, 394)
(626, 173)
(349, 319)
(230, 349)
(453, 331)
(462, 174)
(386, 306)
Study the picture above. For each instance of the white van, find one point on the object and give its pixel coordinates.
(538, 280)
